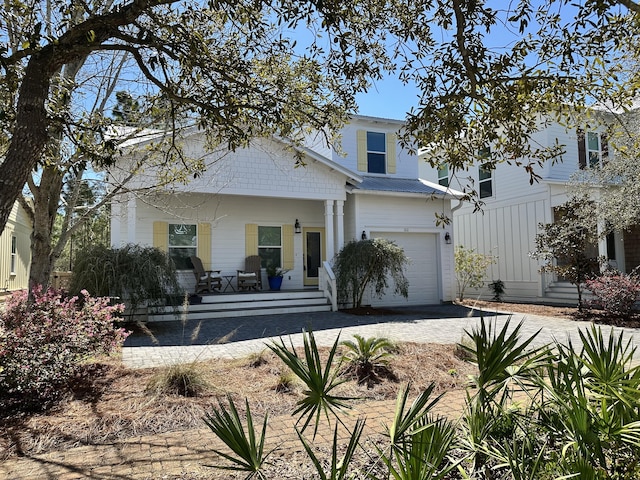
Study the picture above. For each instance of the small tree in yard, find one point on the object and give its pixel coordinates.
(471, 268)
(365, 262)
(563, 246)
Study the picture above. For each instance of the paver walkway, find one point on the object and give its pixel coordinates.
(176, 453)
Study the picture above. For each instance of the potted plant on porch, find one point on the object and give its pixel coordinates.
(275, 276)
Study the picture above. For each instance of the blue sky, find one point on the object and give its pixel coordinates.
(388, 98)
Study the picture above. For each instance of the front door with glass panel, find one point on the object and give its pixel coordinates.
(314, 253)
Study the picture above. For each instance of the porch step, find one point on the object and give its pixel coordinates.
(564, 293)
(246, 304)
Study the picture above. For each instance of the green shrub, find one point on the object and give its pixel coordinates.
(366, 263)
(614, 292)
(44, 343)
(471, 268)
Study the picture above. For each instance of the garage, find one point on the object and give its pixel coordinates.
(422, 272)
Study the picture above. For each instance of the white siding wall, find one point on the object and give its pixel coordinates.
(508, 223)
(265, 168)
(378, 213)
(18, 225)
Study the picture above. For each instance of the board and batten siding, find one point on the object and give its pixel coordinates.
(508, 233)
(18, 226)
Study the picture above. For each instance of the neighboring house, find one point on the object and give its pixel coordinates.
(253, 201)
(15, 251)
(508, 223)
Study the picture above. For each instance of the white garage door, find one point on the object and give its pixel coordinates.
(422, 272)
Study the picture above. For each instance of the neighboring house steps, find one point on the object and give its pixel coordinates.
(246, 304)
(564, 293)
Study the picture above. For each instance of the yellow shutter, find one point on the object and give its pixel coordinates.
(391, 153)
(287, 247)
(161, 236)
(250, 239)
(362, 150)
(204, 244)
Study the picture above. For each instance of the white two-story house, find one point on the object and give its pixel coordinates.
(513, 208)
(255, 202)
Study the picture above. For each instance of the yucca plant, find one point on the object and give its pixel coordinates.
(423, 454)
(367, 357)
(247, 446)
(503, 359)
(404, 423)
(591, 404)
(338, 468)
(319, 379)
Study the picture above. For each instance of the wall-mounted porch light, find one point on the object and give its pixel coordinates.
(297, 227)
(447, 238)
(364, 235)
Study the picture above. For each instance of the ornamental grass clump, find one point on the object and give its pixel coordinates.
(45, 342)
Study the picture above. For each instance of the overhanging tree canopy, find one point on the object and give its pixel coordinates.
(489, 72)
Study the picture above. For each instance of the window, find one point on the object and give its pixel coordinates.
(376, 152)
(592, 149)
(485, 174)
(443, 175)
(270, 246)
(183, 243)
(14, 254)
(486, 181)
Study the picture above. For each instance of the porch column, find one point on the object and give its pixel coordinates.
(328, 225)
(602, 242)
(131, 220)
(116, 224)
(339, 225)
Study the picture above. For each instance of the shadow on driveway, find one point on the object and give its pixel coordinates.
(228, 330)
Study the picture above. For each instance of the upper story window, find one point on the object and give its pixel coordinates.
(443, 175)
(14, 254)
(485, 174)
(376, 152)
(270, 246)
(593, 150)
(183, 243)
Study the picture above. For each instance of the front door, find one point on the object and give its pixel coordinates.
(314, 253)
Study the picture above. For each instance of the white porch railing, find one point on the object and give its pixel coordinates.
(327, 284)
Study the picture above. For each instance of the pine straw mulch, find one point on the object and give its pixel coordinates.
(111, 402)
(571, 313)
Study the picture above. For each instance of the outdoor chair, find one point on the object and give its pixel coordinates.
(251, 277)
(206, 280)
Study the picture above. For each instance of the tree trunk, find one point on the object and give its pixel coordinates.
(46, 198)
(29, 136)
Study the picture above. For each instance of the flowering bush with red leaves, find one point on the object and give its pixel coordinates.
(44, 343)
(615, 293)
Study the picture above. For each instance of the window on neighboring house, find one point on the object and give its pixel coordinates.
(183, 243)
(443, 175)
(593, 150)
(14, 254)
(485, 174)
(270, 246)
(376, 152)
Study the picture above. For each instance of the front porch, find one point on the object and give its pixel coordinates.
(242, 304)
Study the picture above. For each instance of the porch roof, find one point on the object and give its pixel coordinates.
(403, 185)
